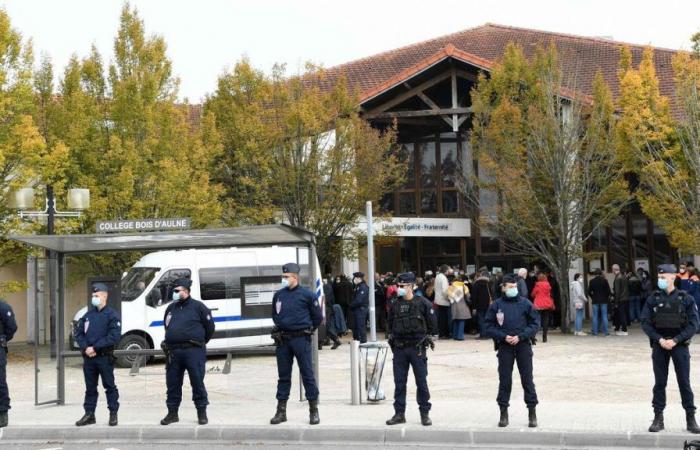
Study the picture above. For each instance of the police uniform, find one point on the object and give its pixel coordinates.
(188, 327)
(359, 307)
(671, 316)
(411, 323)
(8, 327)
(100, 329)
(513, 316)
(296, 314)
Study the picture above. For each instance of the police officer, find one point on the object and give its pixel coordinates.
(670, 319)
(188, 327)
(296, 314)
(411, 323)
(8, 327)
(96, 333)
(512, 322)
(359, 307)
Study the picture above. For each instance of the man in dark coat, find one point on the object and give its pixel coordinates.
(481, 299)
(599, 291)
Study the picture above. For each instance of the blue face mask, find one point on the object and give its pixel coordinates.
(176, 296)
(662, 283)
(401, 292)
(512, 292)
(285, 283)
(96, 301)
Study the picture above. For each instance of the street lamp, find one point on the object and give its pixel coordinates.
(78, 200)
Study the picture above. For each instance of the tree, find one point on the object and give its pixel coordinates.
(548, 155)
(129, 140)
(295, 147)
(667, 151)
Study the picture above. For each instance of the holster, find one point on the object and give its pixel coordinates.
(168, 353)
(3, 343)
(276, 336)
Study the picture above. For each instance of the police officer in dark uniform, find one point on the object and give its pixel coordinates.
(670, 319)
(96, 333)
(296, 313)
(188, 327)
(8, 327)
(512, 322)
(359, 307)
(411, 323)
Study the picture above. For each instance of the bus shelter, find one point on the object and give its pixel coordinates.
(59, 247)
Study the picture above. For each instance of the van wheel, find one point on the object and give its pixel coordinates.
(131, 342)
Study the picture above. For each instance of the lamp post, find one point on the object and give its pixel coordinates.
(78, 200)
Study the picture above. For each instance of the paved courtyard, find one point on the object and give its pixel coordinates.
(587, 384)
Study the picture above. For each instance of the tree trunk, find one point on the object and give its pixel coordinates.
(565, 293)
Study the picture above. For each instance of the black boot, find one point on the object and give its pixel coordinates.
(87, 419)
(281, 414)
(658, 423)
(532, 417)
(113, 419)
(3, 419)
(691, 423)
(397, 419)
(503, 421)
(202, 416)
(425, 419)
(314, 419)
(336, 344)
(172, 417)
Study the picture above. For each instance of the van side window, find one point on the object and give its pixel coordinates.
(220, 283)
(162, 292)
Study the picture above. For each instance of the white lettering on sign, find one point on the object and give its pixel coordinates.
(115, 226)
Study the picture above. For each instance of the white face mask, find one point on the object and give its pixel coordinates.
(285, 283)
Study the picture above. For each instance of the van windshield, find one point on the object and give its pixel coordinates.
(135, 282)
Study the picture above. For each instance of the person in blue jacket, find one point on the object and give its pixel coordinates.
(359, 307)
(189, 325)
(96, 333)
(7, 332)
(512, 322)
(296, 313)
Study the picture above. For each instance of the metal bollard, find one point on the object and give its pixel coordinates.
(355, 372)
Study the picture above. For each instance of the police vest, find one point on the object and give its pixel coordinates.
(669, 314)
(407, 318)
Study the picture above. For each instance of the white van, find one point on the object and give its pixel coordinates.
(236, 284)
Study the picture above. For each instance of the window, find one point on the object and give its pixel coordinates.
(449, 202)
(407, 203)
(406, 155)
(428, 165)
(135, 282)
(448, 162)
(162, 292)
(223, 282)
(428, 202)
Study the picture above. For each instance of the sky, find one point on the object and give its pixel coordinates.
(207, 37)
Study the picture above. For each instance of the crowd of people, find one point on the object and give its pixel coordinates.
(460, 300)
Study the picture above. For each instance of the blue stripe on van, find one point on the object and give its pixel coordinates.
(160, 323)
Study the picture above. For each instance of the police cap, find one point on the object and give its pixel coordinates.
(405, 278)
(183, 282)
(358, 275)
(100, 287)
(508, 278)
(667, 268)
(291, 268)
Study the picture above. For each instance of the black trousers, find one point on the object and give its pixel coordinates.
(660, 359)
(544, 318)
(405, 358)
(507, 356)
(443, 317)
(622, 316)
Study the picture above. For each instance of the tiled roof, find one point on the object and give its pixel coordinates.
(581, 57)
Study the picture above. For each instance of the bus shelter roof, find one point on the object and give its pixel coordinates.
(250, 236)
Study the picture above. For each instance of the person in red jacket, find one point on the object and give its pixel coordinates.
(544, 303)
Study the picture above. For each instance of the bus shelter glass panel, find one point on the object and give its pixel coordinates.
(44, 332)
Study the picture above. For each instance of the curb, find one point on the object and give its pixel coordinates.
(356, 435)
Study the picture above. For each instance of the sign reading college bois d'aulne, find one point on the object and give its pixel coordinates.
(120, 226)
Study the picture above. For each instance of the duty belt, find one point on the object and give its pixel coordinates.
(296, 334)
(184, 345)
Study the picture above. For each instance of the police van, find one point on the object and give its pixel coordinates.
(236, 284)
